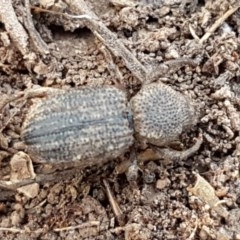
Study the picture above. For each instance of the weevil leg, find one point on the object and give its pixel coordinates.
(167, 67)
(129, 167)
(174, 155)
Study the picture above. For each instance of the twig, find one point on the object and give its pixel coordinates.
(8, 99)
(11, 117)
(7, 186)
(193, 234)
(38, 42)
(15, 230)
(192, 31)
(116, 209)
(83, 225)
(218, 23)
(13, 27)
(112, 67)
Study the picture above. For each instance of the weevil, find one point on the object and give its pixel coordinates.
(93, 125)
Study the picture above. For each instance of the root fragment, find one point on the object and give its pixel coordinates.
(13, 27)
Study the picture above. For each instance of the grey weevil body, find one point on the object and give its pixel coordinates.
(93, 125)
(81, 125)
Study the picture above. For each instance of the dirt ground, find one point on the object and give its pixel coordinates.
(128, 43)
